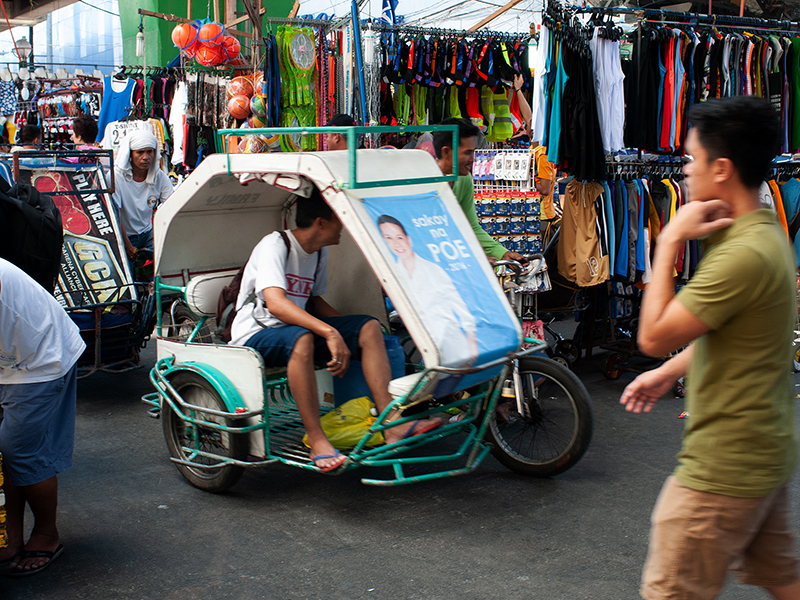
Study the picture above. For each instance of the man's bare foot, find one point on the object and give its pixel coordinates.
(36, 542)
(395, 434)
(332, 457)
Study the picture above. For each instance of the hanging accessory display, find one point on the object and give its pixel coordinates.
(297, 62)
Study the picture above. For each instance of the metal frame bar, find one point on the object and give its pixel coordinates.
(352, 182)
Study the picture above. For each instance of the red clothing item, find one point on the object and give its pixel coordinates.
(669, 94)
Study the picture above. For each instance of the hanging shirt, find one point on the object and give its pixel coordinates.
(545, 170)
(580, 254)
(117, 97)
(608, 205)
(609, 90)
(554, 137)
(539, 83)
(177, 120)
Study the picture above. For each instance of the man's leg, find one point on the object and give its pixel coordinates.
(303, 384)
(789, 592)
(42, 497)
(378, 373)
(15, 520)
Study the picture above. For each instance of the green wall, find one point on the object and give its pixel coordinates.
(159, 49)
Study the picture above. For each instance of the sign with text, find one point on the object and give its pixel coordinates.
(452, 294)
(94, 267)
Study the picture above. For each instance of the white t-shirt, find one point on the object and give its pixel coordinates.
(177, 119)
(441, 309)
(135, 201)
(38, 340)
(298, 275)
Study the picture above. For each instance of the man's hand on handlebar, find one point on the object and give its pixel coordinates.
(514, 256)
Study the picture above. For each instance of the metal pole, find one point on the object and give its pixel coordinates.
(359, 63)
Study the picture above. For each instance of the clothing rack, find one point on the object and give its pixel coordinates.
(328, 24)
(655, 14)
(139, 70)
(461, 33)
(630, 167)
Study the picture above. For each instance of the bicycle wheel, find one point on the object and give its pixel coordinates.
(185, 321)
(556, 428)
(183, 437)
(569, 349)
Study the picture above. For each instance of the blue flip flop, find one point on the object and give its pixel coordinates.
(337, 454)
(412, 431)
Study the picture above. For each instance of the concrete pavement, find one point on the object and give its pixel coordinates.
(134, 529)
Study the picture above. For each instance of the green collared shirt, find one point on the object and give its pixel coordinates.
(740, 438)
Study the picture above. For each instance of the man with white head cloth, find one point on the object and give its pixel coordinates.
(141, 186)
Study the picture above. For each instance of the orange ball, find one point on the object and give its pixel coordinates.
(239, 107)
(191, 50)
(211, 34)
(210, 55)
(231, 47)
(184, 35)
(240, 86)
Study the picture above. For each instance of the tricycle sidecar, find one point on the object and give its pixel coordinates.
(223, 410)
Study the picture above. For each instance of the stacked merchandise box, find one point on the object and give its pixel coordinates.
(507, 204)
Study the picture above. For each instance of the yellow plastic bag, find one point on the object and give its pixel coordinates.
(348, 423)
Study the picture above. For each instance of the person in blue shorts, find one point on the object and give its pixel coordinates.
(39, 349)
(280, 313)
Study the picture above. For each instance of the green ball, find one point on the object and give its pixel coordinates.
(258, 105)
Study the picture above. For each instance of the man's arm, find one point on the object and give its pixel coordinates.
(643, 392)
(664, 323)
(322, 309)
(288, 312)
(465, 195)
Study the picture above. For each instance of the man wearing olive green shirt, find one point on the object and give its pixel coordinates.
(726, 506)
(463, 188)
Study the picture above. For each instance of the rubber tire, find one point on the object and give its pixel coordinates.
(610, 367)
(184, 324)
(508, 440)
(569, 349)
(196, 390)
(562, 360)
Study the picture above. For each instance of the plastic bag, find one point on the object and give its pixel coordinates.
(348, 423)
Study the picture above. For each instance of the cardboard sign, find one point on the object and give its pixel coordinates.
(94, 267)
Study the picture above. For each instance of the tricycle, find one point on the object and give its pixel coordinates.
(222, 410)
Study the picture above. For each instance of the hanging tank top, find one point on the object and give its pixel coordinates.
(116, 99)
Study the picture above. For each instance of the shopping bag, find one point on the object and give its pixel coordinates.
(345, 425)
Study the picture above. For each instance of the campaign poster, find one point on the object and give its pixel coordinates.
(453, 296)
(94, 267)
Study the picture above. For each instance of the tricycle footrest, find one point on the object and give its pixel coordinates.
(401, 478)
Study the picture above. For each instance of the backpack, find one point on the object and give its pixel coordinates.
(31, 233)
(226, 303)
